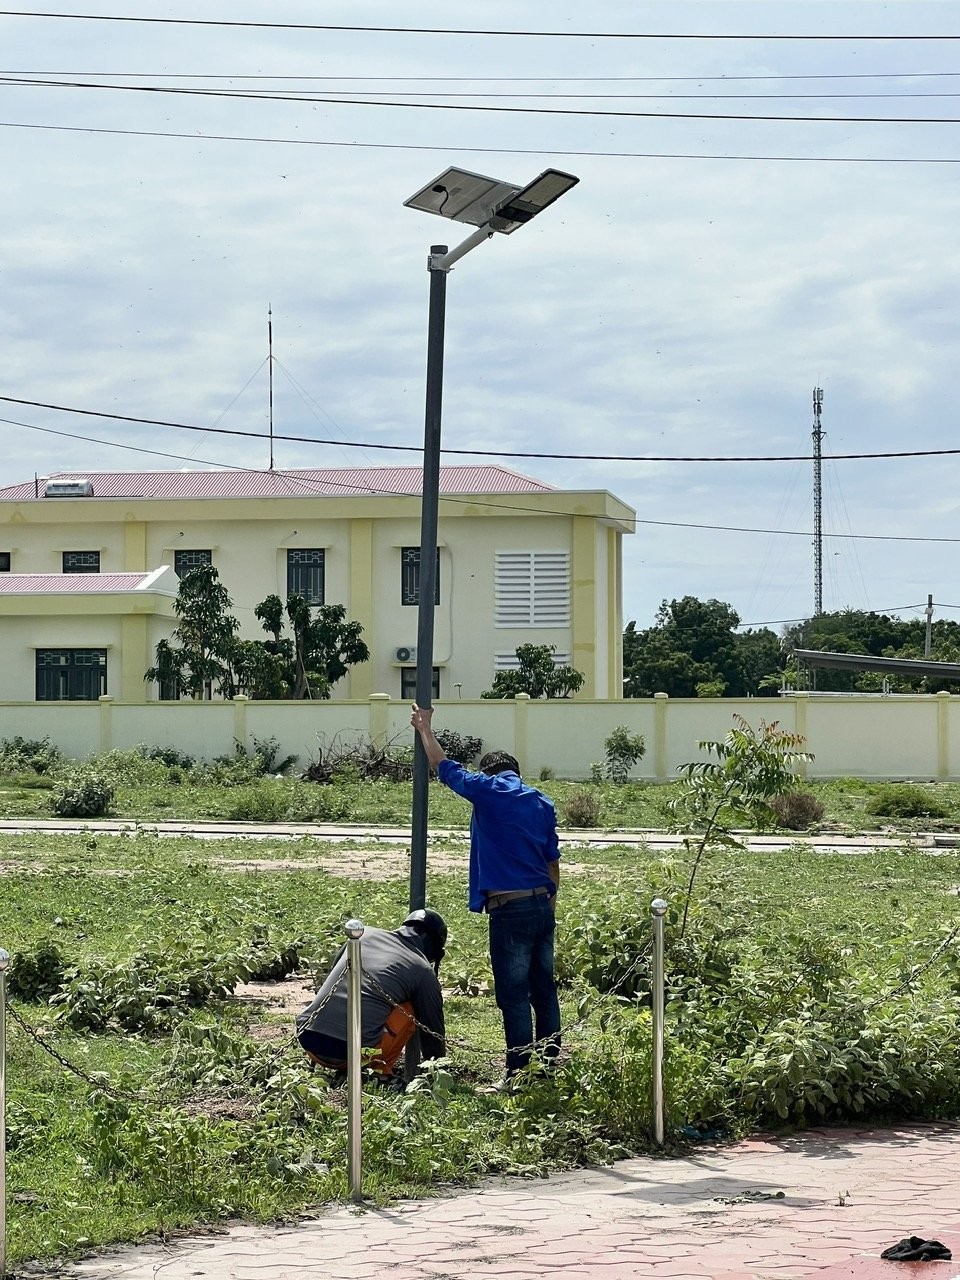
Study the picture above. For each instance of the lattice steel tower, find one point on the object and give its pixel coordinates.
(817, 503)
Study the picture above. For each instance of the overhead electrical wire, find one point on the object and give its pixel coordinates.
(316, 100)
(469, 31)
(30, 79)
(486, 151)
(452, 498)
(722, 79)
(481, 453)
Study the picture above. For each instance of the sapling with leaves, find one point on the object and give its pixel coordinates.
(719, 796)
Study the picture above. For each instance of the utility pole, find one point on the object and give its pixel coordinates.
(928, 640)
(817, 503)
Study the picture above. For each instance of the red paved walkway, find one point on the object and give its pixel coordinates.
(825, 1203)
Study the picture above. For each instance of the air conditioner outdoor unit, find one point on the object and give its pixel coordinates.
(406, 653)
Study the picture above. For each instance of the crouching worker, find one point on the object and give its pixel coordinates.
(400, 994)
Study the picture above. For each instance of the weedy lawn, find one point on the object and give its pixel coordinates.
(153, 1082)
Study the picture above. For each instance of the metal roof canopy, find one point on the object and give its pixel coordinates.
(867, 662)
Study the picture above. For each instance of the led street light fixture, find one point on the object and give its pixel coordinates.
(481, 201)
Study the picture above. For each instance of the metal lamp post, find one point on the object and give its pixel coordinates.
(490, 205)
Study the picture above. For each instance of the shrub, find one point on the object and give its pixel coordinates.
(38, 755)
(36, 975)
(797, 810)
(82, 794)
(622, 750)
(460, 747)
(580, 809)
(172, 757)
(260, 803)
(905, 800)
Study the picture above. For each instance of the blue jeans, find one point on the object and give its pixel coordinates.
(521, 955)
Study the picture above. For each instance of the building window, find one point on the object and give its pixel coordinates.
(71, 675)
(184, 561)
(408, 683)
(410, 576)
(4, 561)
(532, 589)
(305, 575)
(81, 562)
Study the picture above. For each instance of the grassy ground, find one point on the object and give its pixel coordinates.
(145, 792)
(152, 1086)
(212, 1113)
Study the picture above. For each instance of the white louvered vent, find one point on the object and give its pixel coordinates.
(532, 588)
(503, 661)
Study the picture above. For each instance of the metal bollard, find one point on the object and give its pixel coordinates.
(354, 932)
(658, 909)
(4, 965)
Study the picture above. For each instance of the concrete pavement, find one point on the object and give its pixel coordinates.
(824, 1203)
(331, 832)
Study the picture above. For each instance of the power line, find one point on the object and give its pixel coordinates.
(480, 453)
(476, 502)
(28, 79)
(316, 100)
(783, 622)
(724, 79)
(486, 151)
(466, 31)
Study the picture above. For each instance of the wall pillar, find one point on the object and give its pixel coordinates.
(378, 722)
(583, 602)
(106, 722)
(360, 607)
(943, 734)
(661, 702)
(240, 702)
(135, 657)
(801, 702)
(521, 709)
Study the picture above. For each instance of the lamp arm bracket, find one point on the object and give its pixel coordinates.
(444, 261)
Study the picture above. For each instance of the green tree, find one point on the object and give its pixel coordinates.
(538, 675)
(694, 650)
(715, 797)
(199, 659)
(878, 635)
(307, 663)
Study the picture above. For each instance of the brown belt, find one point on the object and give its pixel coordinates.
(495, 900)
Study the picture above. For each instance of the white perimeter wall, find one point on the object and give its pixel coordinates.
(867, 737)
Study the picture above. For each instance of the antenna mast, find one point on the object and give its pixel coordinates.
(817, 503)
(270, 374)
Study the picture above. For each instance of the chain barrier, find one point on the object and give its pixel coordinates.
(99, 1082)
(535, 1045)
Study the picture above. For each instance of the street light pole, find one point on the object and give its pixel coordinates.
(490, 205)
(428, 566)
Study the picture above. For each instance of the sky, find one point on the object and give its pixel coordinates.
(682, 301)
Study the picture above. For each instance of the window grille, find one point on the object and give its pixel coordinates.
(71, 675)
(81, 562)
(184, 561)
(408, 683)
(410, 576)
(305, 574)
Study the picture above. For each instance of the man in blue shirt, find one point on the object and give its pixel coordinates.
(514, 877)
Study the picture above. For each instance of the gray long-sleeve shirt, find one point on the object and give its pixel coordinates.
(398, 966)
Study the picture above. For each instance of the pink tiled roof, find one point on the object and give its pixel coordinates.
(36, 584)
(349, 482)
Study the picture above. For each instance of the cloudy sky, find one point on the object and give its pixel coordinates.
(167, 182)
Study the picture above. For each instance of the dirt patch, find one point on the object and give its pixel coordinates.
(290, 995)
(363, 864)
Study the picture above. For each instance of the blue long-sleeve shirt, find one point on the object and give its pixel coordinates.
(513, 832)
